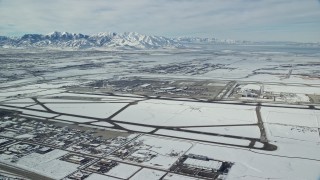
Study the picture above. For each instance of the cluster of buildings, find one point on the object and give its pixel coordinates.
(21, 136)
(127, 150)
(154, 87)
(102, 166)
(254, 91)
(48, 133)
(77, 159)
(202, 167)
(97, 146)
(79, 175)
(249, 90)
(257, 92)
(15, 150)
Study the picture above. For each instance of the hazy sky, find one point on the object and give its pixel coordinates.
(293, 20)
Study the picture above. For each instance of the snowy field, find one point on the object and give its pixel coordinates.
(49, 100)
(287, 116)
(95, 176)
(19, 102)
(251, 165)
(97, 110)
(171, 176)
(46, 164)
(76, 97)
(148, 174)
(136, 128)
(292, 89)
(175, 113)
(123, 171)
(267, 63)
(74, 119)
(26, 91)
(202, 137)
(162, 147)
(37, 107)
(294, 131)
(100, 123)
(37, 113)
(244, 131)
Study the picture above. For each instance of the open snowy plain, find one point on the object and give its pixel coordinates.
(154, 136)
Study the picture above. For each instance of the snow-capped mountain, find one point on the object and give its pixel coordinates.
(128, 40)
(105, 40)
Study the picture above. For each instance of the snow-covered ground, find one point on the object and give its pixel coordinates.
(148, 174)
(244, 131)
(252, 165)
(294, 98)
(37, 107)
(175, 113)
(27, 91)
(75, 119)
(202, 137)
(136, 128)
(98, 110)
(294, 132)
(289, 116)
(10, 134)
(123, 171)
(292, 89)
(37, 113)
(45, 164)
(171, 176)
(19, 102)
(49, 100)
(162, 147)
(90, 97)
(95, 176)
(101, 123)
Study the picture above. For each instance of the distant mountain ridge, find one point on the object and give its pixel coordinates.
(107, 40)
(130, 40)
(209, 40)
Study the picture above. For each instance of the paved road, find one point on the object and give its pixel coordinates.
(263, 136)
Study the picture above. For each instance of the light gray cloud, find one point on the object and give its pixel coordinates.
(222, 18)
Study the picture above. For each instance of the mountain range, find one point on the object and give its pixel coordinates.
(127, 40)
(80, 41)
